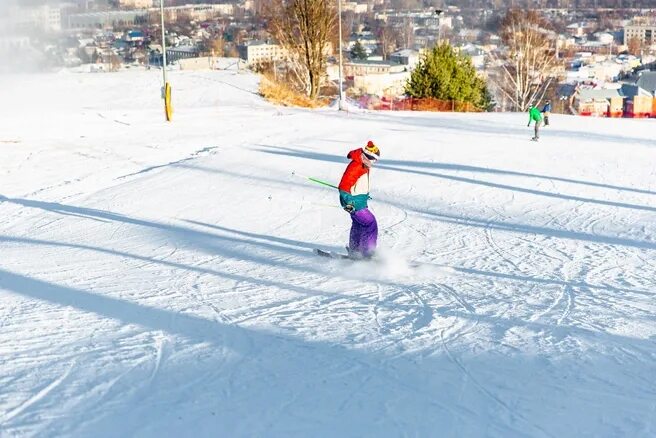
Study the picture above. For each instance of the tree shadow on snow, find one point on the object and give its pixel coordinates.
(533, 229)
(261, 382)
(388, 165)
(553, 282)
(475, 124)
(286, 385)
(277, 252)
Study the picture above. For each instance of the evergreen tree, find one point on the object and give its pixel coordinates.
(358, 51)
(447, 75)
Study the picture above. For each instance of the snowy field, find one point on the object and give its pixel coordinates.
(157, 279)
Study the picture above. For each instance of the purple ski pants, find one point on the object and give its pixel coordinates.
(364, 233)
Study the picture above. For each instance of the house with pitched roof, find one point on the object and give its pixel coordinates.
(647, 81)
(599, 102)
(629, 100)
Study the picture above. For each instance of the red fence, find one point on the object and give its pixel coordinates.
(415, 104)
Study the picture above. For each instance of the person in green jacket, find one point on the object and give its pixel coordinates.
(534, 115)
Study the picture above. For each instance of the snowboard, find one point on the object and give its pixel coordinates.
(374, 259)
(340, 256)
(331, 254)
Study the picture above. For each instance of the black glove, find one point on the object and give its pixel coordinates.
(349, 208)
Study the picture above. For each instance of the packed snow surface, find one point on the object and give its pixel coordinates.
(157, 279)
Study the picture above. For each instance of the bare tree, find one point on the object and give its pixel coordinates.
(259, 7)
(635, 46)
(528, 59)
(406, 34)
(387, 36)
(304, 28)
(348, 24)
(114, 62)
(217, 46)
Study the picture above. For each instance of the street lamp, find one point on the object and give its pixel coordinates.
(166, 89)
(341, 96)
(439, 13)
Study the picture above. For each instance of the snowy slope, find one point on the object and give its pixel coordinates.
(157, 279)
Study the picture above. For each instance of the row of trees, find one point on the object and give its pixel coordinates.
(307, 28)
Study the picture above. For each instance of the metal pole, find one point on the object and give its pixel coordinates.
(166, 88)
(439, 13)
(161, 6)
(341, 96)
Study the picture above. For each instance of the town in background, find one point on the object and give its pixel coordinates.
(605, 50)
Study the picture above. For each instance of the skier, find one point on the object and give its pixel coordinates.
(353, 196)
(535, 116)
(546, 111)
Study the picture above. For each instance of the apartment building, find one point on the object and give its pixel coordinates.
(258, 52)
(136, 4)
(199, 12)
(106, 19)
(355, 7)
(381, 78)
(43, 17)
(643, 31)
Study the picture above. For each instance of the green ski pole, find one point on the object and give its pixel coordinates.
(317, 181)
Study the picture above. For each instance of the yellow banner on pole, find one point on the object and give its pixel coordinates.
(168, 109)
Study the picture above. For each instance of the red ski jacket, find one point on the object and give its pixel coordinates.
(354, 171)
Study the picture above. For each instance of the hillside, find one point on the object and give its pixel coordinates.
(158, 279)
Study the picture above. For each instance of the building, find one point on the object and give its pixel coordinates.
(366, 67)
(626, 101)
(136, 4)
(367, 39)
(607, 71)
(644, 32)
(45, 17)
(475, 53)
(600, 68)
(259, 52)
(174, 54)
(638, 101)
(134, 36)
(599, 102)
(605, 37)
(647, 81)
(198, 12)
(355, 7)
(99, 20)
(407, 57)
(377, 77)
(580, 29)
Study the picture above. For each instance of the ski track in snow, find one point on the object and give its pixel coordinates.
(36, 397)
(159, 279)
